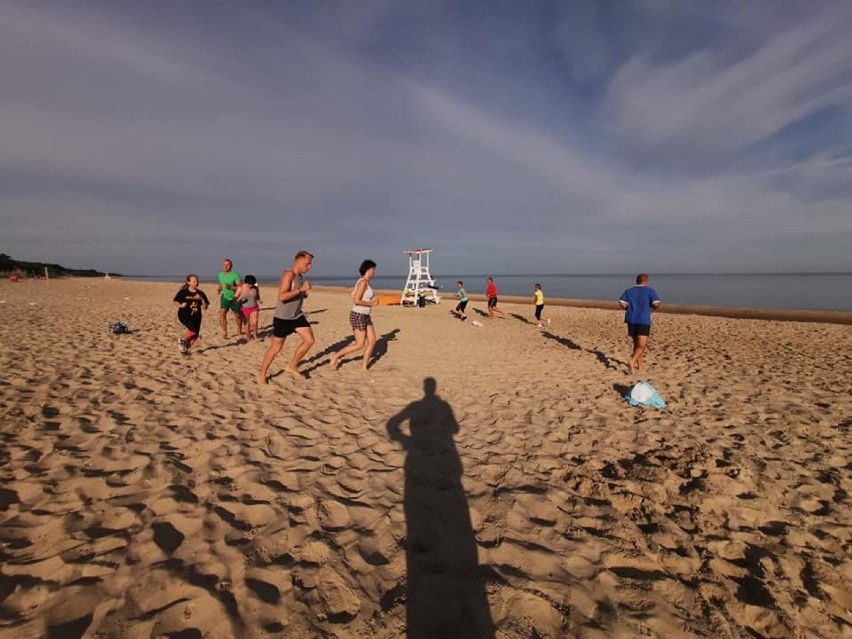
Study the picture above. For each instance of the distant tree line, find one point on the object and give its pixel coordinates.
(36, 269)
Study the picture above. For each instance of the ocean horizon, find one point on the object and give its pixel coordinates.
(804, 291)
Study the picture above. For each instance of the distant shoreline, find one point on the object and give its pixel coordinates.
(772, 314)
(733, 312)
(817, 293)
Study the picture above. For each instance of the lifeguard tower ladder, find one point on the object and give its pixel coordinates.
(420, 287)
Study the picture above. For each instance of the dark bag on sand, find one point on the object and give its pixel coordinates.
(117, 328)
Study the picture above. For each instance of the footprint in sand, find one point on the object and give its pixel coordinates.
(338, 601)
(334, 516)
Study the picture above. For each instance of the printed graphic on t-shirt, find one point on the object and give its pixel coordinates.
(193, 300)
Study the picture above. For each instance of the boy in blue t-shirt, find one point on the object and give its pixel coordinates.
(638, 303)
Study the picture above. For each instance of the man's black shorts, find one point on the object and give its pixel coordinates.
(461, 306)
(638, 329)
(281, 328)
(492, 302)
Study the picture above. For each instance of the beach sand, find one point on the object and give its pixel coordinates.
(485, 481)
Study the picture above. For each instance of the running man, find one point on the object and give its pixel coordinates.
(638, 303)
(288, 317)
(229, 282)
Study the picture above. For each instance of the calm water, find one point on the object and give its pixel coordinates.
(817, 291)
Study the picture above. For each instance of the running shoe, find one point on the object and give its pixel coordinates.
(182, 346)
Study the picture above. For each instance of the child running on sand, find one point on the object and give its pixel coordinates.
(459, 310)
(249, 294)
(491, 294)
(190, 300)
(539, 304)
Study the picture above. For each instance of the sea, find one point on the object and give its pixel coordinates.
(811, 291)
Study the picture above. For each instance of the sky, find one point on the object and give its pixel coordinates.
(582, 136)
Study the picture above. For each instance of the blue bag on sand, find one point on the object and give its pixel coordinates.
(643, 394)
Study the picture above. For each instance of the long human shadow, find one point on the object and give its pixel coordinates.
(331, 348)
(603, 359)
(562, 340)
(520, 318)
(445, 586)
(480, 312)
(317, 359)
(381, 348)
(608, 362)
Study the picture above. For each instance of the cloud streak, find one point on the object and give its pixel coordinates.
(717, 101)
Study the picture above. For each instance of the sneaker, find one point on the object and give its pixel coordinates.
(548, 321)
(182, 346)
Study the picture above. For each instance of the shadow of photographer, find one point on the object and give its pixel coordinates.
(445, 586)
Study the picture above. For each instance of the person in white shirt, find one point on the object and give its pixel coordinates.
(360, 317)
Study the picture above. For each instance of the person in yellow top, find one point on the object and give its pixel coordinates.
(539, 304)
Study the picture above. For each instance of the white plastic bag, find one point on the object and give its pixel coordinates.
(644, 394)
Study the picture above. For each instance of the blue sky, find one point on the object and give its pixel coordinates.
(512, 137)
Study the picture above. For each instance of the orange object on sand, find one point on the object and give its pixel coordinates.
(387, 300)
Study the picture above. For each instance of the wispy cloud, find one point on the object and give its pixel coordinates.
(720, 100)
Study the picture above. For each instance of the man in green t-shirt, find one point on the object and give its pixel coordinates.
(229, 281)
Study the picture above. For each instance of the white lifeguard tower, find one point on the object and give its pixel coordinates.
(419, 287)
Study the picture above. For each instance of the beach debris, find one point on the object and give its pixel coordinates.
(476, 323)
(119, 327)
(644, 394)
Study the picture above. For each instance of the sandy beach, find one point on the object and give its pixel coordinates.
(476, 482)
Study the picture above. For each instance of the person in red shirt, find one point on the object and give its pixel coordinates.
(491, 294)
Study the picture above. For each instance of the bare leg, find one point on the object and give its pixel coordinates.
(371, 344)
(271, 352)
(639, 350)
(255, 320)
(357, 346)
(240, 321)
(497, 310)
(247, 326)
(189, 338)
(223, 322)
(308, 340)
